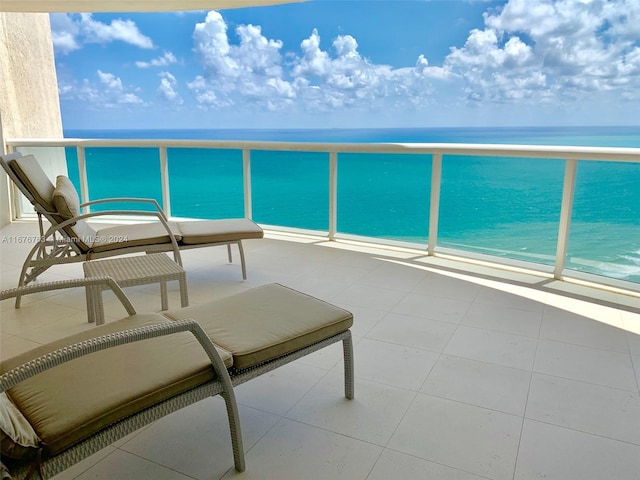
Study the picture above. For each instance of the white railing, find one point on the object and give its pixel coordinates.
(570, 155)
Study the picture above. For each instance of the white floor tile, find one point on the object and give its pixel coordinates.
(364, 319)
(448, 287)
(493, 347)
(503, 319)
(498, 297)
(432, 307)
(372, 415)
(482, 384)
(567, 327)
(11, 345)
(602, 367)
(277, 391)
(376, 298)
(555, 453)
(582, 406)
(396, 465)
(292, 450)
(84, 465)
(395, 365)
(473, 439)
(413, 331)
(123, 465)
(196, 440)
(393, 276)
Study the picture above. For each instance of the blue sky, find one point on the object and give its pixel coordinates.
(353, 64)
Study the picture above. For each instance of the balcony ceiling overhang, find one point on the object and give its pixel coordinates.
(76, 6)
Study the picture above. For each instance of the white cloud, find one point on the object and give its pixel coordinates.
(552, 50)
(110, 81)
(166, 59)
(166, 90)
(527, 53)
(63, 33)
(108, 92)
(253, 70)
(70, 31)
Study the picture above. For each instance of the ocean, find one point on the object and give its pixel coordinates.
(500, 206)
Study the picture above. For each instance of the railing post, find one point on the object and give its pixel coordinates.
(568, 190)
(246, 170)
(164, 178)
(333, 195)
(84, 181)
(434, 208)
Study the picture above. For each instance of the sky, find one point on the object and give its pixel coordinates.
(353, 64)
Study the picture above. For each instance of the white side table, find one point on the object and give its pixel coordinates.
(131, 271)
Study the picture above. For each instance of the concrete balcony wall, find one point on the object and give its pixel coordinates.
(29, 102)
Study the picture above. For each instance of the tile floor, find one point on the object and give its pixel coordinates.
(460, 374)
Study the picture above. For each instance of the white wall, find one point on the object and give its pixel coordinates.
(29, 102)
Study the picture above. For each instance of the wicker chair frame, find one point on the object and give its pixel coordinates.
(222, 385)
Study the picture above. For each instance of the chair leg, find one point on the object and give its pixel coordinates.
(229, 255)
(347, 345)
(236, 432)
(242, 263)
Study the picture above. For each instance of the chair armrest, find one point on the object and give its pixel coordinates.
(86, 347)
(70, 222)
(79, 282)
(125, 199)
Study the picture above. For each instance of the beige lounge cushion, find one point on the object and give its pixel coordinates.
(74, 400)
(266, 322)
(65, 198)
(29, 171)
(82, 233)
(212, 231)
(140, 234)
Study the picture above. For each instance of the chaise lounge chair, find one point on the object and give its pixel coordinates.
(71, 239)
(72, 397)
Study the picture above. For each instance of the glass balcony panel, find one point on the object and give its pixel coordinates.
(507, 207)
(206, 183)
(384, 196)
(291, 189)
(123, 172)
(604, 237)
(71, 154)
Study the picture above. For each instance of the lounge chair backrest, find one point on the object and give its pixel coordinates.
(36, 182)
(57, 203)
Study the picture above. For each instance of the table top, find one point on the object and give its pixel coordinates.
(138, 266)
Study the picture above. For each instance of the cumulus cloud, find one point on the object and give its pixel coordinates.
(545, 50)
(255, 69)
(70, 31)
(164, 60)
(526, 52)
(108, 92)
(252, 68)
(166, 90)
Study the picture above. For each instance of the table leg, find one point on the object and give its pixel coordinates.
(91, 308)
(184, 294)
(163, 295)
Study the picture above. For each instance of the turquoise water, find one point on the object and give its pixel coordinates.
(500, 206)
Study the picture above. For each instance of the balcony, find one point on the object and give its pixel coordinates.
(568, 212)
(463, 370)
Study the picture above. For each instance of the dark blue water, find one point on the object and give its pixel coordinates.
(500, 206)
